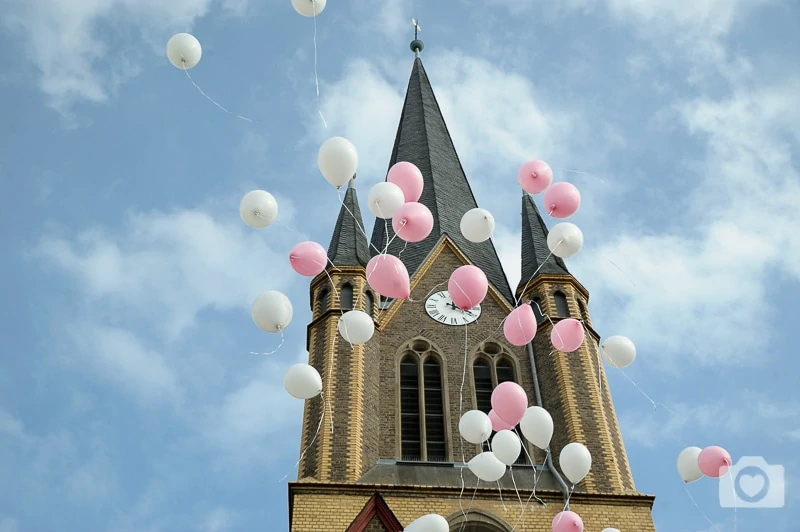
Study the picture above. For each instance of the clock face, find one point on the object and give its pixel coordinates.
(440, 307)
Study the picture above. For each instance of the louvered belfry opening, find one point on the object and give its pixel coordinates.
(411, 437)
(435, 443)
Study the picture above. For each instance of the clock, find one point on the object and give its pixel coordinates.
(441, 308)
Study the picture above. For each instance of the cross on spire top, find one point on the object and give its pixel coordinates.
(416, 44)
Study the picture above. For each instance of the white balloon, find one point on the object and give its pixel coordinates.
(338, 161)
(429, 523)
(688, 468)
(565, 240)
(258, 209)
(302, 381)
(610, 530)
(576, 461)
(477, 225)
(475, 426)
(506, 447)
(272, 311)
(618, 351)
(356, 327)
(537, 426)
(184, 50)
(487, 467)
(385, 198)
(309, 8)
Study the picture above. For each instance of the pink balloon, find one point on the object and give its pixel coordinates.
(408, 177)
(413, 222)
(567, 522)
(308, 258)
(497, 423)
(714, 461)
(388, 276)
(468, 287)
(534, 176)
(561, 200)
(567, 335)
(509, 402)
(520, 326)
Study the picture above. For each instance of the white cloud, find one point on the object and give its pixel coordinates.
(12, 426)
(218, 520)
(76, 62)
(166, 268)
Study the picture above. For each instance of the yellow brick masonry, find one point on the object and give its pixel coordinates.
(328, 508)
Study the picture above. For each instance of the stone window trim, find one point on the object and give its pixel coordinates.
(561, 305)
(477, 520)
(326, 299)
(430, 351)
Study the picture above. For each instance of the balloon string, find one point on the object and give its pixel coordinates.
(553, 325)
(183, 64)
(426, 295)
(699, 509)
(460, 411)
(620, 269)
(500, 491)
(280, 330)
(330, 366)
(385, 225)
(405, 244)
(316, 75)
(358, 224)
(471, 502)
(516, 490)
(522, 293)
(535, 480)
(319, 427)
(402, 223)
(581, 173)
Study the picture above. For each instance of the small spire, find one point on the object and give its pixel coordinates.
(416, 44)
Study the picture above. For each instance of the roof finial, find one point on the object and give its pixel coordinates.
(416, 44)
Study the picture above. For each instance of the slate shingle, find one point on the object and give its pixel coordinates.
(348, 245)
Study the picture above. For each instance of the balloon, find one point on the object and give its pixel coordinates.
(565, 240)
(688, 466)
(506, 447)
(567, 522)
(497, 423)
(356, 327)
(520, 326)
(429, 523)
(468, 286)
(610, 530)
(308, 258)
(302, 381)
(576, 461)
(309, 8)
(412, 222)
(384, 199)
(272, 311)
(477, 225)
(534, 176)
(258, 209)
(338, 161)
(475, 426)
(618, 351)
(184, 51)
(537, 426)
(487, 467)
(567, 335)
(408, 177)
(714, 461)
(562, 200)
(509, 402)
(387, 275)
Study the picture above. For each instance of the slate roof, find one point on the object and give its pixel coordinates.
(446, 475)
(349, 245)
(423, 139)
(534, 244)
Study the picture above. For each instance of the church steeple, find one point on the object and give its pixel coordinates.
(348, 245)
(535, 253)
(423, 139)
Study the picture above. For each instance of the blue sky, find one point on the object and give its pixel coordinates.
(128, 397)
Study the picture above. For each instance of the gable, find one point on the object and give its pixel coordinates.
(375, 517)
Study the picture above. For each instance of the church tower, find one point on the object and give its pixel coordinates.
(389, 450)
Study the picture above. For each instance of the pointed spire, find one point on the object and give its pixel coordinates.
(423, 139)
(349, 243)
(534, 245)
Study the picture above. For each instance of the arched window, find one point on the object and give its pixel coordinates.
(488, 372)
(346, 296)
(434, 411)
(562, 310)
(370, 302)
(323, 300)
(582, 309)
(537, 309)
(423, 424)
(411, 436)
